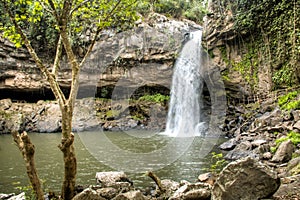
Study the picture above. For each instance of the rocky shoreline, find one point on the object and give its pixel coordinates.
(261, 134)
(245, 179)
(90, 114)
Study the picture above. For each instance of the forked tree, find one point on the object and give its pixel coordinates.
(65, 18)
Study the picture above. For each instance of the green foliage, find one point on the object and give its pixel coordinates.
(29, 193)
(37, 19)
(273, 25)
(289, 101)
(190, 9)
(218, 162)
(157, 98)
(283, 76)
(138, 117)
(112, 113)
(293, 136)
(247, 66)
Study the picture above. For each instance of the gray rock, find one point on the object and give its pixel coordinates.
(131, 195)
(245, 179)
(50, 120)
(107, 192)
(228, 145)
(242, 150)
(88, 194)
(267, 155)
(113, 179)
(284, 152)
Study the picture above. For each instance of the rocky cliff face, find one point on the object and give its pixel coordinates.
(137, 59)
(243, 72)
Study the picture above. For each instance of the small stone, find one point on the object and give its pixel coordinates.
(267, 155)
(207, 178)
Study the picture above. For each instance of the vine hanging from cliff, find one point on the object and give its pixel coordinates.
(276, 23)
(274, 27)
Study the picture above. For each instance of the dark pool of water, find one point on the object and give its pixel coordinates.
(132, 152)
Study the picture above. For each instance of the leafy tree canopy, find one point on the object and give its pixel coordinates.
(41, 20)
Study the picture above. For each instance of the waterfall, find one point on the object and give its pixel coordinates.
(184, 116)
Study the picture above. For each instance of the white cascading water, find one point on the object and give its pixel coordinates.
(184, 116)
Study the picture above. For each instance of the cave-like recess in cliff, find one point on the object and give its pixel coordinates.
(34, 95)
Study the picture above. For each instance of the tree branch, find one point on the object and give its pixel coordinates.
(27, 149)
(56, 64)
(157, 180)
(56, 15)
(53, 83)
(90, 48)
(78, 6)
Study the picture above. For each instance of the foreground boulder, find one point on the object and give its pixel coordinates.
(245, 179)
(117, 180)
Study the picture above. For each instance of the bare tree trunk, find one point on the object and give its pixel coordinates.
(67, 147)
(27, 149)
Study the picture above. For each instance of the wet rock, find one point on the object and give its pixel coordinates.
(245, 179)
(88, 194)
(284, 152)
(131, 195)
